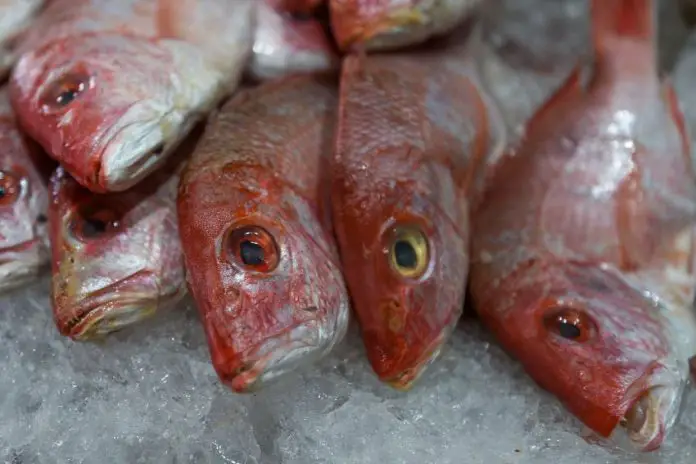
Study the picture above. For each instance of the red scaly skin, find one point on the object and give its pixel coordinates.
(254, 219)
(23, 203)
(413, 129)
(596, 207)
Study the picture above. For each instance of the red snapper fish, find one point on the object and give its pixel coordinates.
(286, 44)
(413, 130)
(23, 204)
(15, 17)
(117, 257)
(255, 224)
(583, 247)
(109, 89)
(392, 24)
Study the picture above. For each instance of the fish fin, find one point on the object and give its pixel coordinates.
(622, 18)
(677, 115)
(570, 87)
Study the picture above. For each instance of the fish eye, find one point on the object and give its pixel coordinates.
(570, 323)
(65, 90)
(408, 251)
(93, 223)
(10, 188)
(252, 247)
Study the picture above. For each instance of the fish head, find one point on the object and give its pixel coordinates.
(23, 206)
(279, 298)
(109, 107)
(601, 346)
(406, 260)
(116, 257)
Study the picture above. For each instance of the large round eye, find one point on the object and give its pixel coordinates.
(570, 323)
(65, 90)
(93, 223)
(10, 188)
(252, 247)
(408, 251)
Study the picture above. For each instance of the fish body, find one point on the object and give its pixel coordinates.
(23, 204)
(109, 89)
(15, 17)
(414, 128)
(117, 257)
(393, 24)
(285, 44)
(255, 224)
(583, 247)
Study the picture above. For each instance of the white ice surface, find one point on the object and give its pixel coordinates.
(149, 395)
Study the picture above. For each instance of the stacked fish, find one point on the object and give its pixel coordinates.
(211, 147)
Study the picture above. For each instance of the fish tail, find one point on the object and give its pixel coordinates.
(634, 19)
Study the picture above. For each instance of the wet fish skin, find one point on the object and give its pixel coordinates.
(23, 204)
(255, 224)
(285, 44)
(582, 253)
(414, 129)
(117, 257)
(392, 24)
(15, 17)
(109, 89)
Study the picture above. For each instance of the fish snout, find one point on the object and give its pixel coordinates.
(272, 358)
(98, 312)
(653, 408)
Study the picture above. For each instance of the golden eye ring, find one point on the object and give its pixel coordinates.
(409, 252)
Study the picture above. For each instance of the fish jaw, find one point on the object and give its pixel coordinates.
(139, 98)
(96, 314)
(390, 24)
(21, 264)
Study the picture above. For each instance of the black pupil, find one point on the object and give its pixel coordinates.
(93, 227)
(68, 96)
(252, 254)
(404, 254)
(567, 329)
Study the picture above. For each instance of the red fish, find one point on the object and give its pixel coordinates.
(110, 88)
(255, 224)
(23, 203)
(285, 44)
(299, 6)
(117, 257)
(583, 247)
(391, 24)
(413, 130)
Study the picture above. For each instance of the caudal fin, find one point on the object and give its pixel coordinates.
(623, 18)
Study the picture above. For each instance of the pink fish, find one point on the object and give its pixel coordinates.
(117, 257)
(286, 44)
(583, 249)
(110, 88)
(23, 203)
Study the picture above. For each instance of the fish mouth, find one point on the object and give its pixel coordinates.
(650, 415)
(21, 263)
(138, 149)
(274, 358)
(404, 380)
(114, 307)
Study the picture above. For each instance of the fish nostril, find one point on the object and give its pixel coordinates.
(41, 219)
(311, 309)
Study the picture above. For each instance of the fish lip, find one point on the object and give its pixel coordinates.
(130, 296)
(20, 262)
(252, 370)
(652, 409)
(406, 378)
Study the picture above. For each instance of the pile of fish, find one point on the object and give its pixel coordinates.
(291, 163)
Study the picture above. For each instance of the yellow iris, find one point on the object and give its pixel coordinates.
(409, 254)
